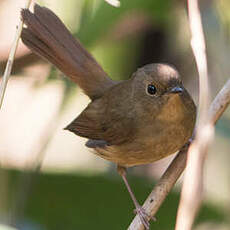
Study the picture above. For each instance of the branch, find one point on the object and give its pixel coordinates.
(10, 61)
(192, 189)
(220, 103)
(162, 188)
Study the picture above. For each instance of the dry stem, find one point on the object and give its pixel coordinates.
(10, 61)
(192, 189)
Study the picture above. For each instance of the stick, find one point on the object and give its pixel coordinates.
(192, 189)
(10, 61)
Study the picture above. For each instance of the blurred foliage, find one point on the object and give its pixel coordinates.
(69, 202)
(224, 14)
(5, 227)
(94, 27)
(105, 16)
(223, 127)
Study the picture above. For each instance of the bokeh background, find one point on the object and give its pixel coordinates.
(48, 179)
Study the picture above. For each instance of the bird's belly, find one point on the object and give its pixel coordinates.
(147, 149)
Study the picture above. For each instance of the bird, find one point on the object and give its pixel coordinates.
(131, 122)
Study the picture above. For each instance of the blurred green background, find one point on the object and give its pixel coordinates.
(48, 179)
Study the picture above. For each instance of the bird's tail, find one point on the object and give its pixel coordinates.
(48, 37)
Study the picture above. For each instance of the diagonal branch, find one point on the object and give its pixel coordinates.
(162, 188)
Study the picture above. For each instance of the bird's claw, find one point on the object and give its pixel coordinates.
(144, 217)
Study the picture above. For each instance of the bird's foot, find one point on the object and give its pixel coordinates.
(144, 217)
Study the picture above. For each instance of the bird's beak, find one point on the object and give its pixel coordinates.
(176, 89)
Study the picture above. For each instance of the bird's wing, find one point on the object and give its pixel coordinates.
(101, 122)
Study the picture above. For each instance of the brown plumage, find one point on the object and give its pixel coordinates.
(137, 127)
(131, 122)
(48, 37)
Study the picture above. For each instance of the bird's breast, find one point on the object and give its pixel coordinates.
(174, 110)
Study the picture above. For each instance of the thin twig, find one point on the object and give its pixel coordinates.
(199, 50)
(220, 103)
(10, 61)
(192, 189)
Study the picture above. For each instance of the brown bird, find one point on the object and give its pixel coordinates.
(132, 122)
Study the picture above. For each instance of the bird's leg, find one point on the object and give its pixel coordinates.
(138, 209)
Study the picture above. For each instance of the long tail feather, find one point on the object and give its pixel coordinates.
(48, 37)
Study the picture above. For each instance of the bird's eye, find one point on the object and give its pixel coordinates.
(151, 89)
